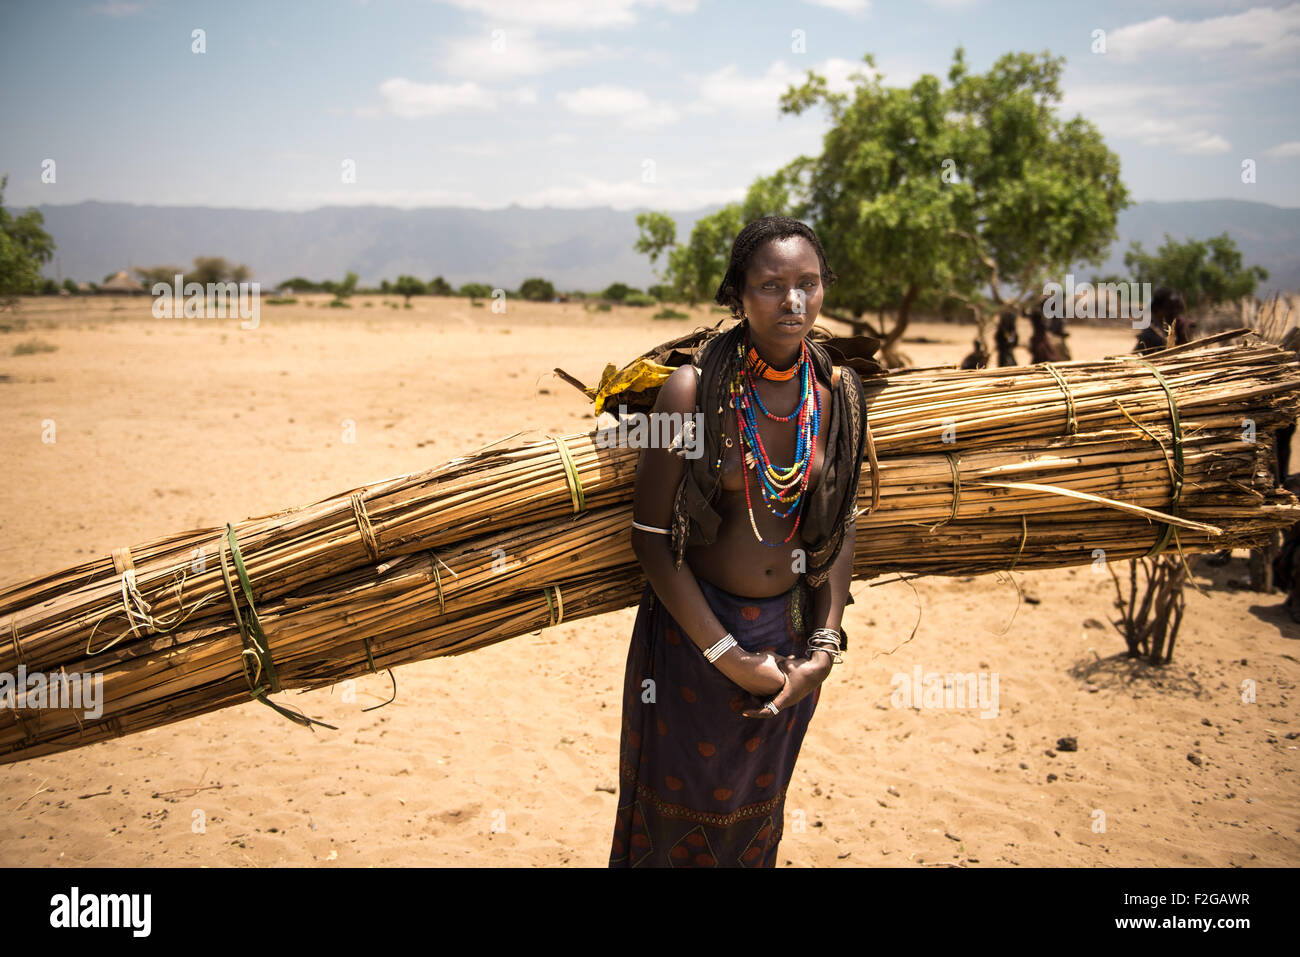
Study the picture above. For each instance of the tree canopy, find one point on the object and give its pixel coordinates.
(973, 190)
(24, 247)
(1206, 272)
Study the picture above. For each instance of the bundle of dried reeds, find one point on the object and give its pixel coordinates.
(1025, 468)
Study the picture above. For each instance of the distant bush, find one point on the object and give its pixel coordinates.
(476, 304)
(669, 314)
(281, 301)
(476, 290)
(619, 291)
(339, 304)
(640, 299)
(603, 307)
(536, 290)
(33, 346)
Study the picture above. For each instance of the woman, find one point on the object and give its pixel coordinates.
(748, 552)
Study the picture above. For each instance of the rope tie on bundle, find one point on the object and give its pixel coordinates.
(137, 609)
(576, 495)
(1071, 425)
(555, 608)
(368, 537)
(437, 581)
(875, 468)
(1024, 535)
(257, 649)
(954, 463)
(370, 660)
(1176, 469)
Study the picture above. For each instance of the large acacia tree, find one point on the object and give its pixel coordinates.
(973, 190)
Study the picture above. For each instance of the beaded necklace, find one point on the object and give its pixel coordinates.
(778, 485)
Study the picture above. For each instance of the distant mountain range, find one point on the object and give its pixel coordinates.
(573, 248)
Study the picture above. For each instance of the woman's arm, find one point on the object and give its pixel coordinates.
(829, 600)
(658, 474)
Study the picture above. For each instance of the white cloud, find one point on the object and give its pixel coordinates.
(569, 14)
(514, 53)
(728, 90)
(1261, 32)
(408, 98)
(632, 108)
(844, 6)
(1289, 150)
(1154, 114)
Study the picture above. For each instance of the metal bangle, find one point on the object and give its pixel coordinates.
(720, 647)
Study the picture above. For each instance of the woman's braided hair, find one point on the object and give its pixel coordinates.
(753, 236)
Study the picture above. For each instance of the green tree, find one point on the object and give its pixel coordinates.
(148, 275)
(618, 291)
(440, 287)
(1206, 271)
(208, 269)
(976, 191)
(476, 290)
(408, 286)
(536, 290)
(693, 270)
(70, 286)
(24, 247)
(345, 289)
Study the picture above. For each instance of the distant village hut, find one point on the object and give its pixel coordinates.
(120, 284)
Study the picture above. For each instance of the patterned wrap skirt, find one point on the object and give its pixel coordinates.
(701, 785)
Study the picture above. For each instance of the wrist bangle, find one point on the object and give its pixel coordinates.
(720, 647)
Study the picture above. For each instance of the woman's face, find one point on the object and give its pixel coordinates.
(783, 290)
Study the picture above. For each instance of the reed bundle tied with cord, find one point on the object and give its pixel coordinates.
(973, 471)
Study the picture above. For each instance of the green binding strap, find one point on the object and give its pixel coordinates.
(256, 647)
(1176, 473)
(571, 475)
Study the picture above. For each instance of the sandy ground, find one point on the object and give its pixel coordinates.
(508, 756)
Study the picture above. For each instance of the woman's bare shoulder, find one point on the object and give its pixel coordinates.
(678, 392)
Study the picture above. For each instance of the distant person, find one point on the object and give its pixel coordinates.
(1005, 338)
(1169, 321)
(1286, 566)
(1056, 333)
(1043, 343)
(978, 358)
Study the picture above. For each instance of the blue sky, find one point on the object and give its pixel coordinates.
(569, 102)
